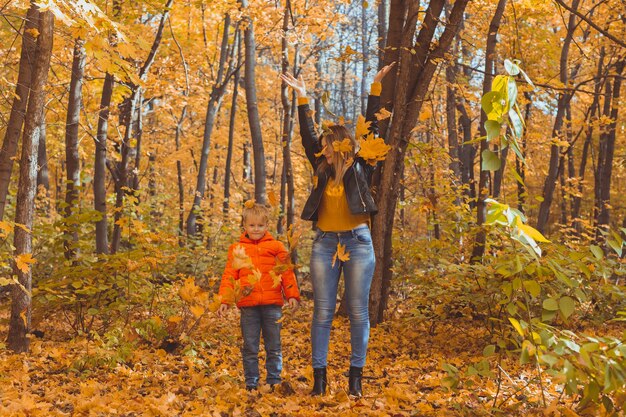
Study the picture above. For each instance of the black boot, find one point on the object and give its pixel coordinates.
(354, 382)
(319, 381)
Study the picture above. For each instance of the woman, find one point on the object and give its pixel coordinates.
(341, 203)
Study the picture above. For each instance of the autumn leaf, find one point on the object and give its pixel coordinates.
(247, 290)
(315, 180)
(24, 261)
(196, 310)
(189, 290)
(425, 114)
(271, 197)
(341, 254)
(373, 150)
(383, 114)
(320, 153)
(241, 258)
(362, 127)
(293, 236)
(250, 203)
(342, 146)
(277, 279)
(33, 32)
(254, 277)
(5, 229)
(215, 304)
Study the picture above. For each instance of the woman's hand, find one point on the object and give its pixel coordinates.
(296, 83)
(383, 71)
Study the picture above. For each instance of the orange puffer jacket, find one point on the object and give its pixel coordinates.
(265, 254)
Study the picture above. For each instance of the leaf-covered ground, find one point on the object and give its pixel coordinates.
(404, 375)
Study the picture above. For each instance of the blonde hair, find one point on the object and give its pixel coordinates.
(255, 209)
(339, 165)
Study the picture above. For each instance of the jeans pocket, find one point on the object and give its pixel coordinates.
(363, 236)
(319, 235)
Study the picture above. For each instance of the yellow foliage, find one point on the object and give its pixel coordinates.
(276, 278)
(342, 146)
(373, 150)
(24, 261)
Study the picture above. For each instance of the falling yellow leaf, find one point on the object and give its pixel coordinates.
(425, 114)
(23, 316)
(277, 279)
(320, 153)
(271, 197)
(249, 203)
(293, 236)
(254, 277)
(373, 150)
(383, 114)
(362, 127)
(315, 180)
(24, 261)
(342, 146)
(341, 254)
(241, 258)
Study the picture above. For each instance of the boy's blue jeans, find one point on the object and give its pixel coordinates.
(358, 272)
(255, 320)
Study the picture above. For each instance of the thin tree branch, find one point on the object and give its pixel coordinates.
(592, 24)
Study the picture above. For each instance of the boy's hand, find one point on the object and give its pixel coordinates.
(221, 312)
(293, 304)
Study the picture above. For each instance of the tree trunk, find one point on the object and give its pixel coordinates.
(19, 324)
(453, 136)
(71, 147)
(408, 88)
(215, 101)
(593, 114)
(99, 177)
(16, 118)
(256, 133)
(485, 176)
(134, 104)
(606, 153)
(231, 133)
(43, 176)
(564, 97)
(366, 56)
(382, 27)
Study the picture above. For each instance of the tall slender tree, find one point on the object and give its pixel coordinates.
(18, 109)
(19, 323)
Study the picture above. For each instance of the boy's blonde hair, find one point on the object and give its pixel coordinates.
(251, 208)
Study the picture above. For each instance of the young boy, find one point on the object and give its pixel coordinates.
(257, 277)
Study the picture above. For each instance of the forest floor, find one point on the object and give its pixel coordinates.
(403, 377)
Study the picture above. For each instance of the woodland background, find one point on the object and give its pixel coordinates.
(133, 132)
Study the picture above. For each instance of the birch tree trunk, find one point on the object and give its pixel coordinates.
(256, 133)
(19, 323)
(71, 146)
(18, 109)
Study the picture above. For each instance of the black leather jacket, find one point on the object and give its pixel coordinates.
(356, 180)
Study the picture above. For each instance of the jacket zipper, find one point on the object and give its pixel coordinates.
(356, 179)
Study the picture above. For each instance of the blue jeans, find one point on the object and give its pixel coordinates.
(255, 320)
(358, 272)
